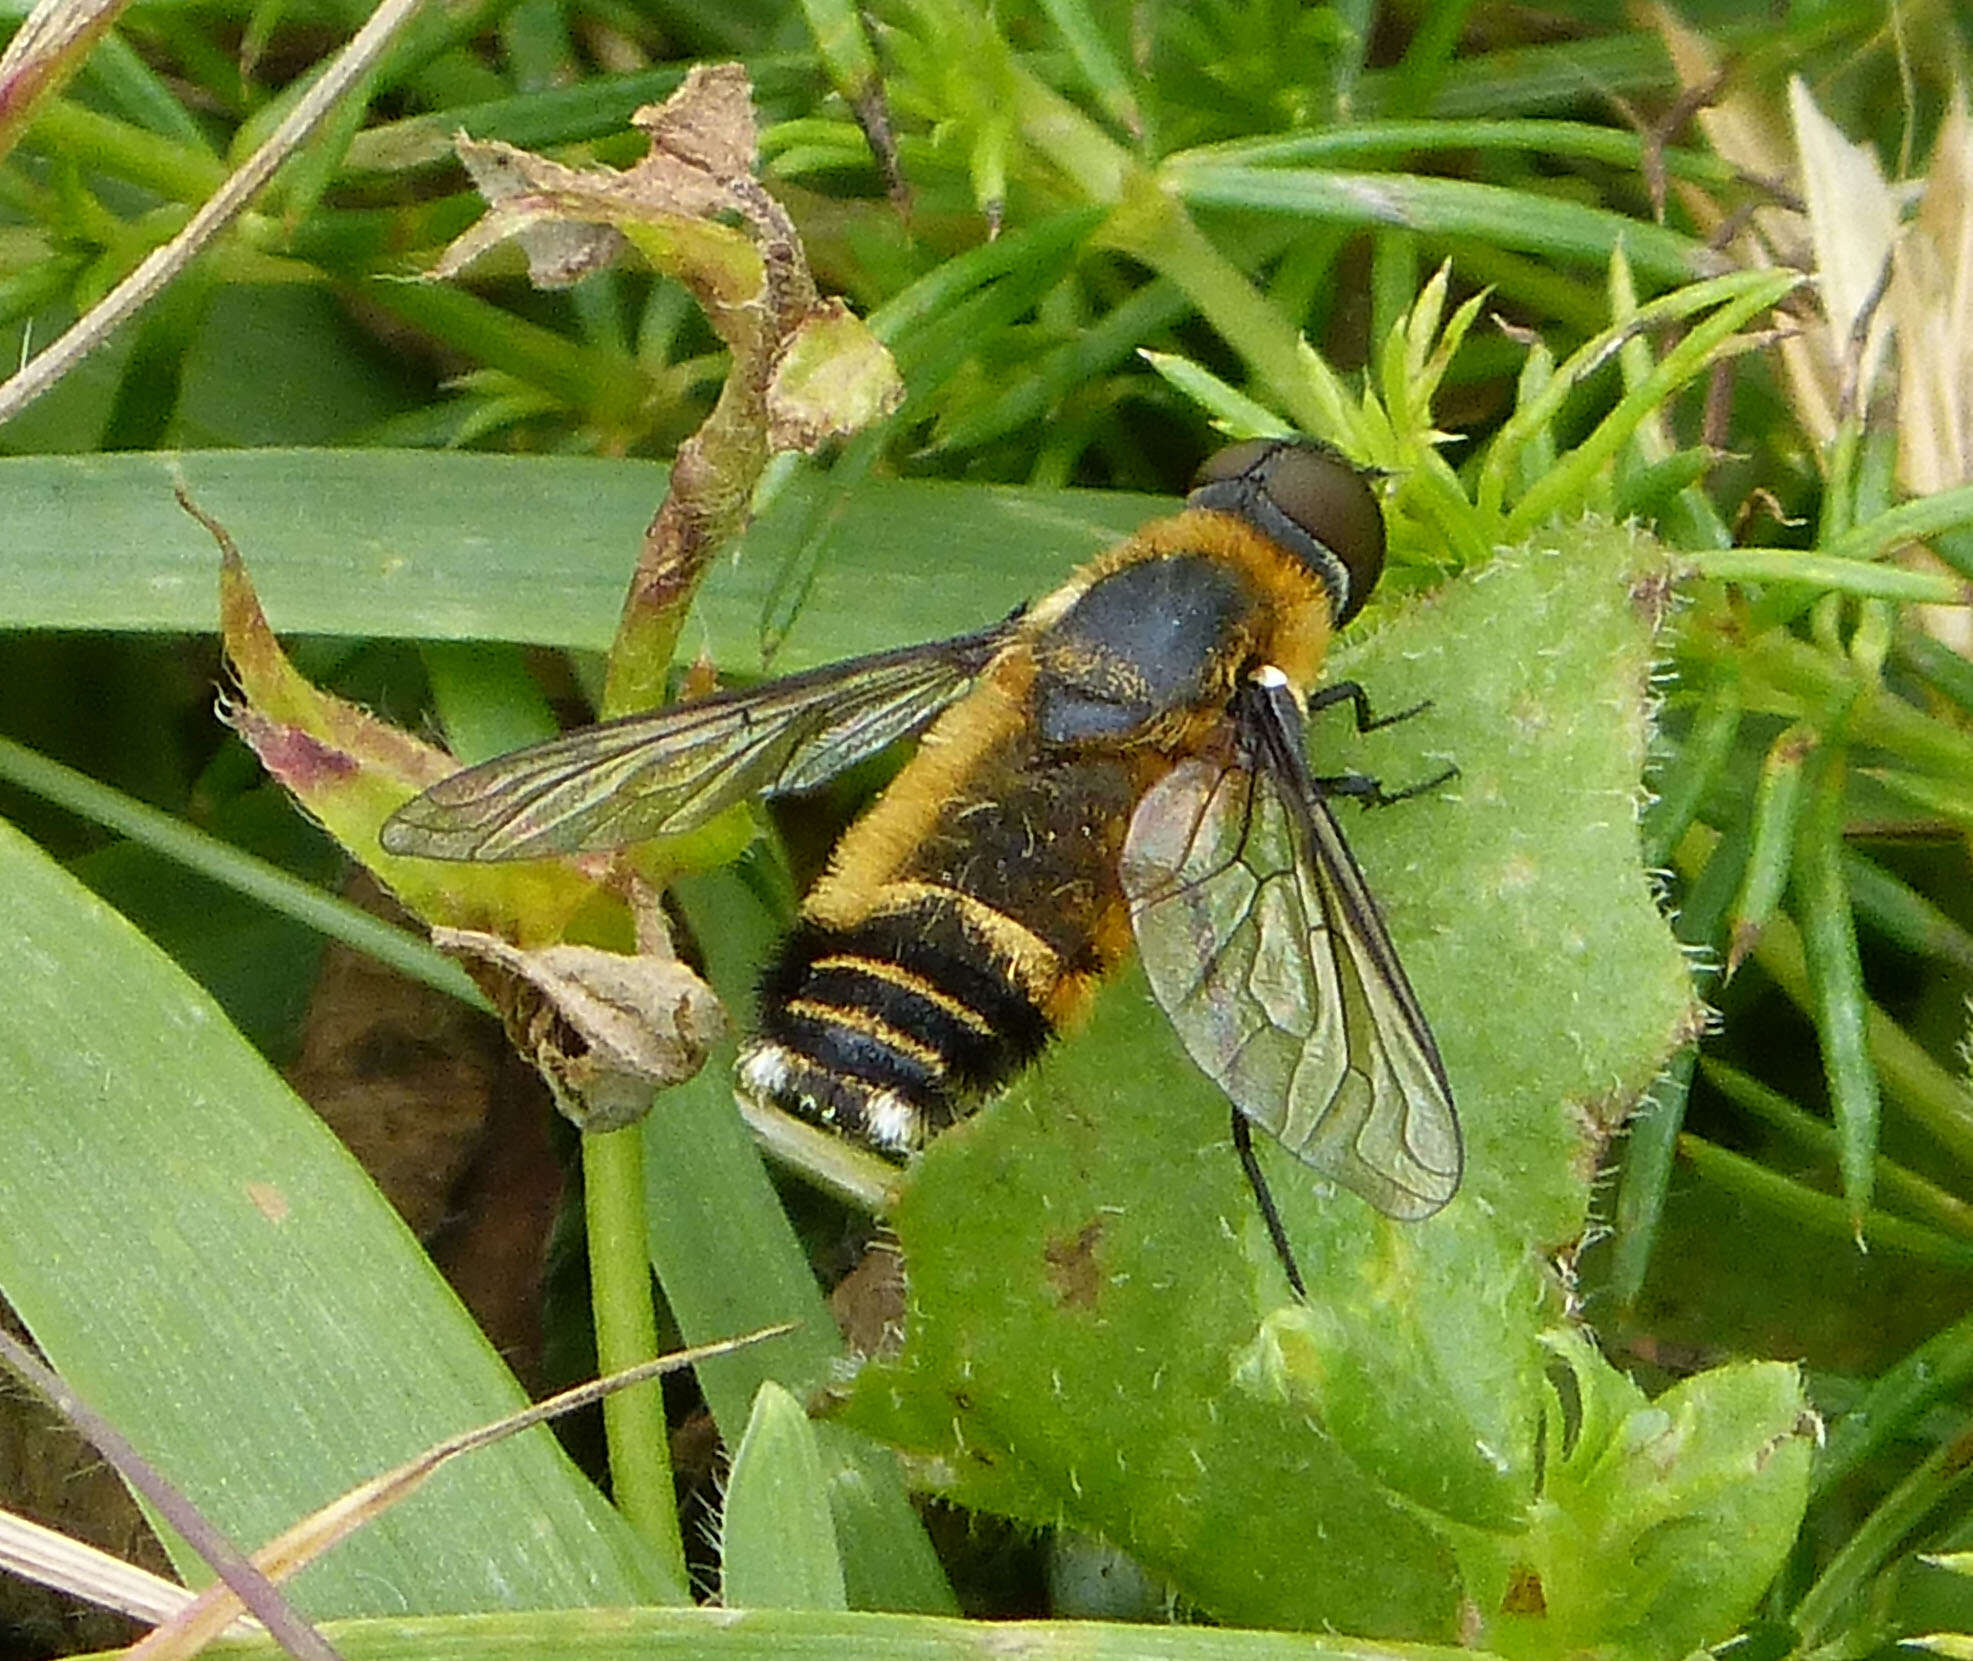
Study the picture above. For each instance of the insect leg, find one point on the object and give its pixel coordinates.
(1337, 692)
(1359, 786)
(1243, 1145)
(1371, 792)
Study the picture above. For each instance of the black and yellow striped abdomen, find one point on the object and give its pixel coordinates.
(962, 922)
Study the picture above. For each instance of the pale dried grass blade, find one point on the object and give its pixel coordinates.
(49, 1557)
(166, 261)
(208, 1615)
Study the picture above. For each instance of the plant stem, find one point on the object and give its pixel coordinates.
(1938, 1476)
(175, 171)
(1938, 1368)
(627, 1333)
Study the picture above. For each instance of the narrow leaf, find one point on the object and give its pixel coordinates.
(777, 1542)
(1836, 979)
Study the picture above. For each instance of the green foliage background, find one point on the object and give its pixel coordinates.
(1123, 224)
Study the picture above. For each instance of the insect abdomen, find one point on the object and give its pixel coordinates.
(886, 1031)
(908, 993)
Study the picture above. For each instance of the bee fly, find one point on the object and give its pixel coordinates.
(1124, 759)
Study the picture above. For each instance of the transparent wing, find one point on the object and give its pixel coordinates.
(1263, 945)
(658, 774)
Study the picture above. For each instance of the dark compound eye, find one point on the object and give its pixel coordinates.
(1311, 501)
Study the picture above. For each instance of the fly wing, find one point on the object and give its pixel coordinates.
(1263, 945)
(658, 774)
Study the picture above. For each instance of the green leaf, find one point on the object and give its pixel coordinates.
(1660, 1522)
(777, 1541)
(774, 1634)
(1536, 223)
(534, 549)
(206, 1265)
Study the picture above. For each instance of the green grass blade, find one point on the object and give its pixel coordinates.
(235, 868)
(1927, 1093)
(1521, 80)
(1504, 218)
(777, 1543)
(1912, 521)
(209, 1268)
(1365, 140)
(1739, 295)
(1901, 913)
(1820, 1213)
(1840, 1009)
(1847, 576)
(1922, 1200)
(776, 1634)
(534, 549)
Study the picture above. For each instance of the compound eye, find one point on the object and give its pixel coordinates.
(1237, 460)
(1310, 500)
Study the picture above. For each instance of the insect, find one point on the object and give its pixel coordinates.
(1123, 760)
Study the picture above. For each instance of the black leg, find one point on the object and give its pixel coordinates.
(1371, 792)
(1243, 1145)
(1337, 692)
(1361, 787)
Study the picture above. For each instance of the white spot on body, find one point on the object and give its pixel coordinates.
(764, 1073)
(890, 1121)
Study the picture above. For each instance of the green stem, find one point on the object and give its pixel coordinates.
(1938, 1368)
(627, 1333)
(173, 170)
(1941, 1474)
(1819, 1213)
